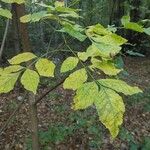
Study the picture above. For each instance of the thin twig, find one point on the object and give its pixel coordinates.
(4, 39)
(49, 90)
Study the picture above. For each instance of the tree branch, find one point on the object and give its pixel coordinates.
(50, 90)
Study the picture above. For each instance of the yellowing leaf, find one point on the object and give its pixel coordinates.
(112, 39)
(7, 82)
(110, 108)
(25, 18)
(97, 29)
(59, 4)
(12, 69)
(45, 67)
(69, 64)
(83, 56)
(107, 67)
(24, 57)
(35, 17)
(120, 86)
(75, 80)
(85, 96)
(30, 80)
(14, 1)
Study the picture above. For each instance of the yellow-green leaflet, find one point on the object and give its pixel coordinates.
(85, 96)
(119, 86)
(7, 82)
(109, 105)
(30, 80)
(110, 108)
(35, 17)
(59, 4)
(23, 57)
(5, 13)
(13, 68)
(69, 64)
(83, 56)
(45, 67)
(112, 39)
(106, 66)
(75, 80)
(14, 1)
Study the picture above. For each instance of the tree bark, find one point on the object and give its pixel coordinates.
(26, 47)
(15, 28)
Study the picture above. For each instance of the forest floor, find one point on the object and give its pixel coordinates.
(63, 129)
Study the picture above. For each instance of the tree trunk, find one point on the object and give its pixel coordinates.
(26, 47)
(15, 29)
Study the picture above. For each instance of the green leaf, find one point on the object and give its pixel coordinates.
(119, 86)
(107, 67)
(132, 53)
(106, 50)
(75, 80)
(85, 96)
(5, 13)
(134, 26)
(45, 67)
(30, 80)
(24, 57)
(69, 64)
(74, 31)
(125, 19)
(147, 31)
(7, 82)
(110, 108)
